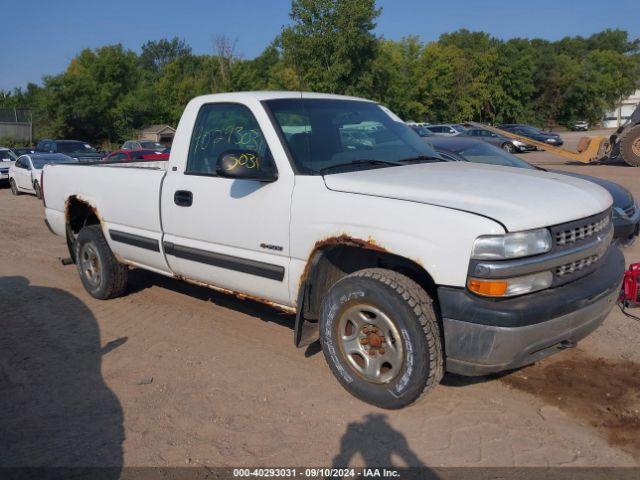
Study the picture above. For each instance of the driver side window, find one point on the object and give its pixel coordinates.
(221, 127)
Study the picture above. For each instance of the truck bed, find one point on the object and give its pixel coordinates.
(123, 193)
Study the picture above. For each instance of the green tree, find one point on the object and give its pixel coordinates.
(330, 44)
(83, 101)
(157, 54)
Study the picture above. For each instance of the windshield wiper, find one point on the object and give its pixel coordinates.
(364, 161)
(422, 158)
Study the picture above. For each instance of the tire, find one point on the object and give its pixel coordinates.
(409, 352)
(101, 274)
(508, 147)
(38, 190)
(14, 188)
(630, 146)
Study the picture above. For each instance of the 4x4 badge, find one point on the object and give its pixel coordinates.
(271, 247)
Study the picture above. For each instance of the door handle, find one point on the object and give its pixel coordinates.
(183, 198)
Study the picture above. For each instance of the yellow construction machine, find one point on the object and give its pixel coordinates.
(623, 144)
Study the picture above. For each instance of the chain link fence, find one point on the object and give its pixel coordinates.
(16, 125)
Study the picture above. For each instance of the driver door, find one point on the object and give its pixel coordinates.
(230, 233)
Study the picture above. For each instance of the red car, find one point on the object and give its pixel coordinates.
(143, 155)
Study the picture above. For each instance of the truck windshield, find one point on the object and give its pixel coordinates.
(322, 133)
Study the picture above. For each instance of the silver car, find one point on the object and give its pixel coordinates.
(7, 158)
(446, 129)
(510, 145)
(142, 145)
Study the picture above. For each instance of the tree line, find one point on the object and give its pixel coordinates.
(107, 94)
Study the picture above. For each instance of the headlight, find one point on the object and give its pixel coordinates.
(511, 245)
(510, 287)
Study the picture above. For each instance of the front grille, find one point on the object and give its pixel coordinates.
(576, 266)
(596, 229)
(581, 232)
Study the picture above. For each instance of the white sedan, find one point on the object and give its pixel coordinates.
(25, 175)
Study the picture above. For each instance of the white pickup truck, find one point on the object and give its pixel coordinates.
(330, 207)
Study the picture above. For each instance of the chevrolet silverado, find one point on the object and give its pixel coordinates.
(405, 266)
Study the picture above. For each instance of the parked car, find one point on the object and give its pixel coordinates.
(23, 150)
(81, 151)
(533, 133)
(7, 158)
(25, 175)
(421, 130)
(135, 156)
(510, 145)
(142, 145)
(626, 214)
(446, 130)
(403, 264)
(580, 126)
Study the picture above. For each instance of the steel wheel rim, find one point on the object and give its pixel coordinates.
(371, 343)
(635, 147)
(90, 264)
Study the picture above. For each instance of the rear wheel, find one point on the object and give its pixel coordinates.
(381, 338)
(630, 146)
(508, 147)
(101, 274)
(14, 187)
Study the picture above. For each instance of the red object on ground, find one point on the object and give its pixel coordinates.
(630, 294)
(136, 156)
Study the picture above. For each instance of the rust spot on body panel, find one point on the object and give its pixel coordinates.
(238, 295)
(344, 240)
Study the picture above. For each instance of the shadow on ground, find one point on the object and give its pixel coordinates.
(55, 408)
(377, 443)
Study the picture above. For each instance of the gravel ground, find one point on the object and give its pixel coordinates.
(174, 374)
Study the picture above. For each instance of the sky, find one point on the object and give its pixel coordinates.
(40, 37)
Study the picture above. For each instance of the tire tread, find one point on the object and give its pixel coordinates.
(625, 149)
(117, 279)
(422, 305)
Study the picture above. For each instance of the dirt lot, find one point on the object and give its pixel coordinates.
(173, 374)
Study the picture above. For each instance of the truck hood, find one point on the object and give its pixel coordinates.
(518, 198)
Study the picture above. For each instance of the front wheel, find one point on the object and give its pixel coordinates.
(381, 338)
(38, 190)
(101, 274)
(508, 147)
(14, 187)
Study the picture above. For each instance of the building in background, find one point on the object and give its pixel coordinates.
(617, 117)
(158, 133)
(16, 124)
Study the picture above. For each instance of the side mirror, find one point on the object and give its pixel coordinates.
(245, 165)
